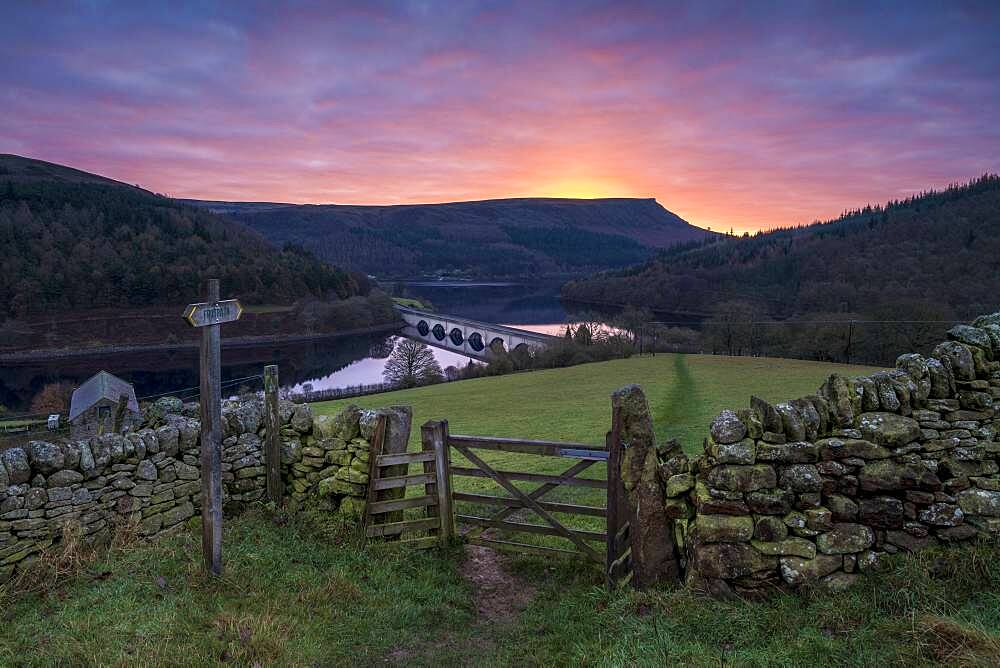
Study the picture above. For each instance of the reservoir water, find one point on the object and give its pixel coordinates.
(317, 365)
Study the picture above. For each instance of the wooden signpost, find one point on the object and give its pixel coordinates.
(209, 315)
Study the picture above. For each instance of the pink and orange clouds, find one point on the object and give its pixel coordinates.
(743, 115)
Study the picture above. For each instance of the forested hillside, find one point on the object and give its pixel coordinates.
(936, 255)
(74, 240)
(494, 238)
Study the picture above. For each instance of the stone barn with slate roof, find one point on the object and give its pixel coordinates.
(94, 404)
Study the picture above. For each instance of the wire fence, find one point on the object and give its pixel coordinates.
(196, 390)
(18, 428)
(351, 391)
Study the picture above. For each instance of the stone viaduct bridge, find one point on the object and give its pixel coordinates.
(464, 336)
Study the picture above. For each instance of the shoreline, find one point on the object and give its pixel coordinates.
(48, 354)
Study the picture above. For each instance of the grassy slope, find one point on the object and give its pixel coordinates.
(295, 596)
(410, 302)
(684, 391)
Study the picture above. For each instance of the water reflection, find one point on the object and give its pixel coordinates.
(326, 364)
(176, 371)
(368, 371)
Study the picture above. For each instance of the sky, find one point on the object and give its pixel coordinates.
(737, 115)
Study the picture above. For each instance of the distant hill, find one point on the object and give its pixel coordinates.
(73, 240)
(937, 254)
(495, 238)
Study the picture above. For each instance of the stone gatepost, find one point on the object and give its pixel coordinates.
(654, 552)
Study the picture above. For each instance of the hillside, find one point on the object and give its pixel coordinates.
(76, 241)
(494, 238)
(933, 256)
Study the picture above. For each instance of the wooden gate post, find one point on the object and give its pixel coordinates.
(395, 441)
(434, 437)
(618, 563)
(272, 424)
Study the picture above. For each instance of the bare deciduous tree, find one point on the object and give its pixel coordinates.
(411, 363)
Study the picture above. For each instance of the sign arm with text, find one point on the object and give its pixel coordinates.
(213, 313)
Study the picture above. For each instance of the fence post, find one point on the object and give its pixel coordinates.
(120, 411)
(434, 437)
(376, 450)
(272, 425)
(395, 440)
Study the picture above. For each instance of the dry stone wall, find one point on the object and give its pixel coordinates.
(817, 489)
(326, 459)
(150, 477)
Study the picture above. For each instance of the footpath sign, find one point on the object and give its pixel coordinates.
(209, 315)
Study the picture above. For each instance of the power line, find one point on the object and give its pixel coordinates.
(197, 389)
(239, 380)
(168, 393)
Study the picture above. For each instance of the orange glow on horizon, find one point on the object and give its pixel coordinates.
(733, 119)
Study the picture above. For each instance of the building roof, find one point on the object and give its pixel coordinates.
(101, 385)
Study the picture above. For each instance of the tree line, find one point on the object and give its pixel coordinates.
(934, 258)
(92, 245)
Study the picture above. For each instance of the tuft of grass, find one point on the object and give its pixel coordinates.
(252, 639)
(55, 564)
(950, 643)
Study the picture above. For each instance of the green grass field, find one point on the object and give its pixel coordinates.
(15, 424)
(574, 404)
(296, 593)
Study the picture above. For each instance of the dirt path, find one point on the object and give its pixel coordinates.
(499, 597)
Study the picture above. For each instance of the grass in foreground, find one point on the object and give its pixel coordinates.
(295, 594)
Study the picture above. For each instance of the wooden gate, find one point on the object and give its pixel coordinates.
(613, 556)
(389, 477)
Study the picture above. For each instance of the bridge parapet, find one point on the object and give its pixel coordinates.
(465, 336)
